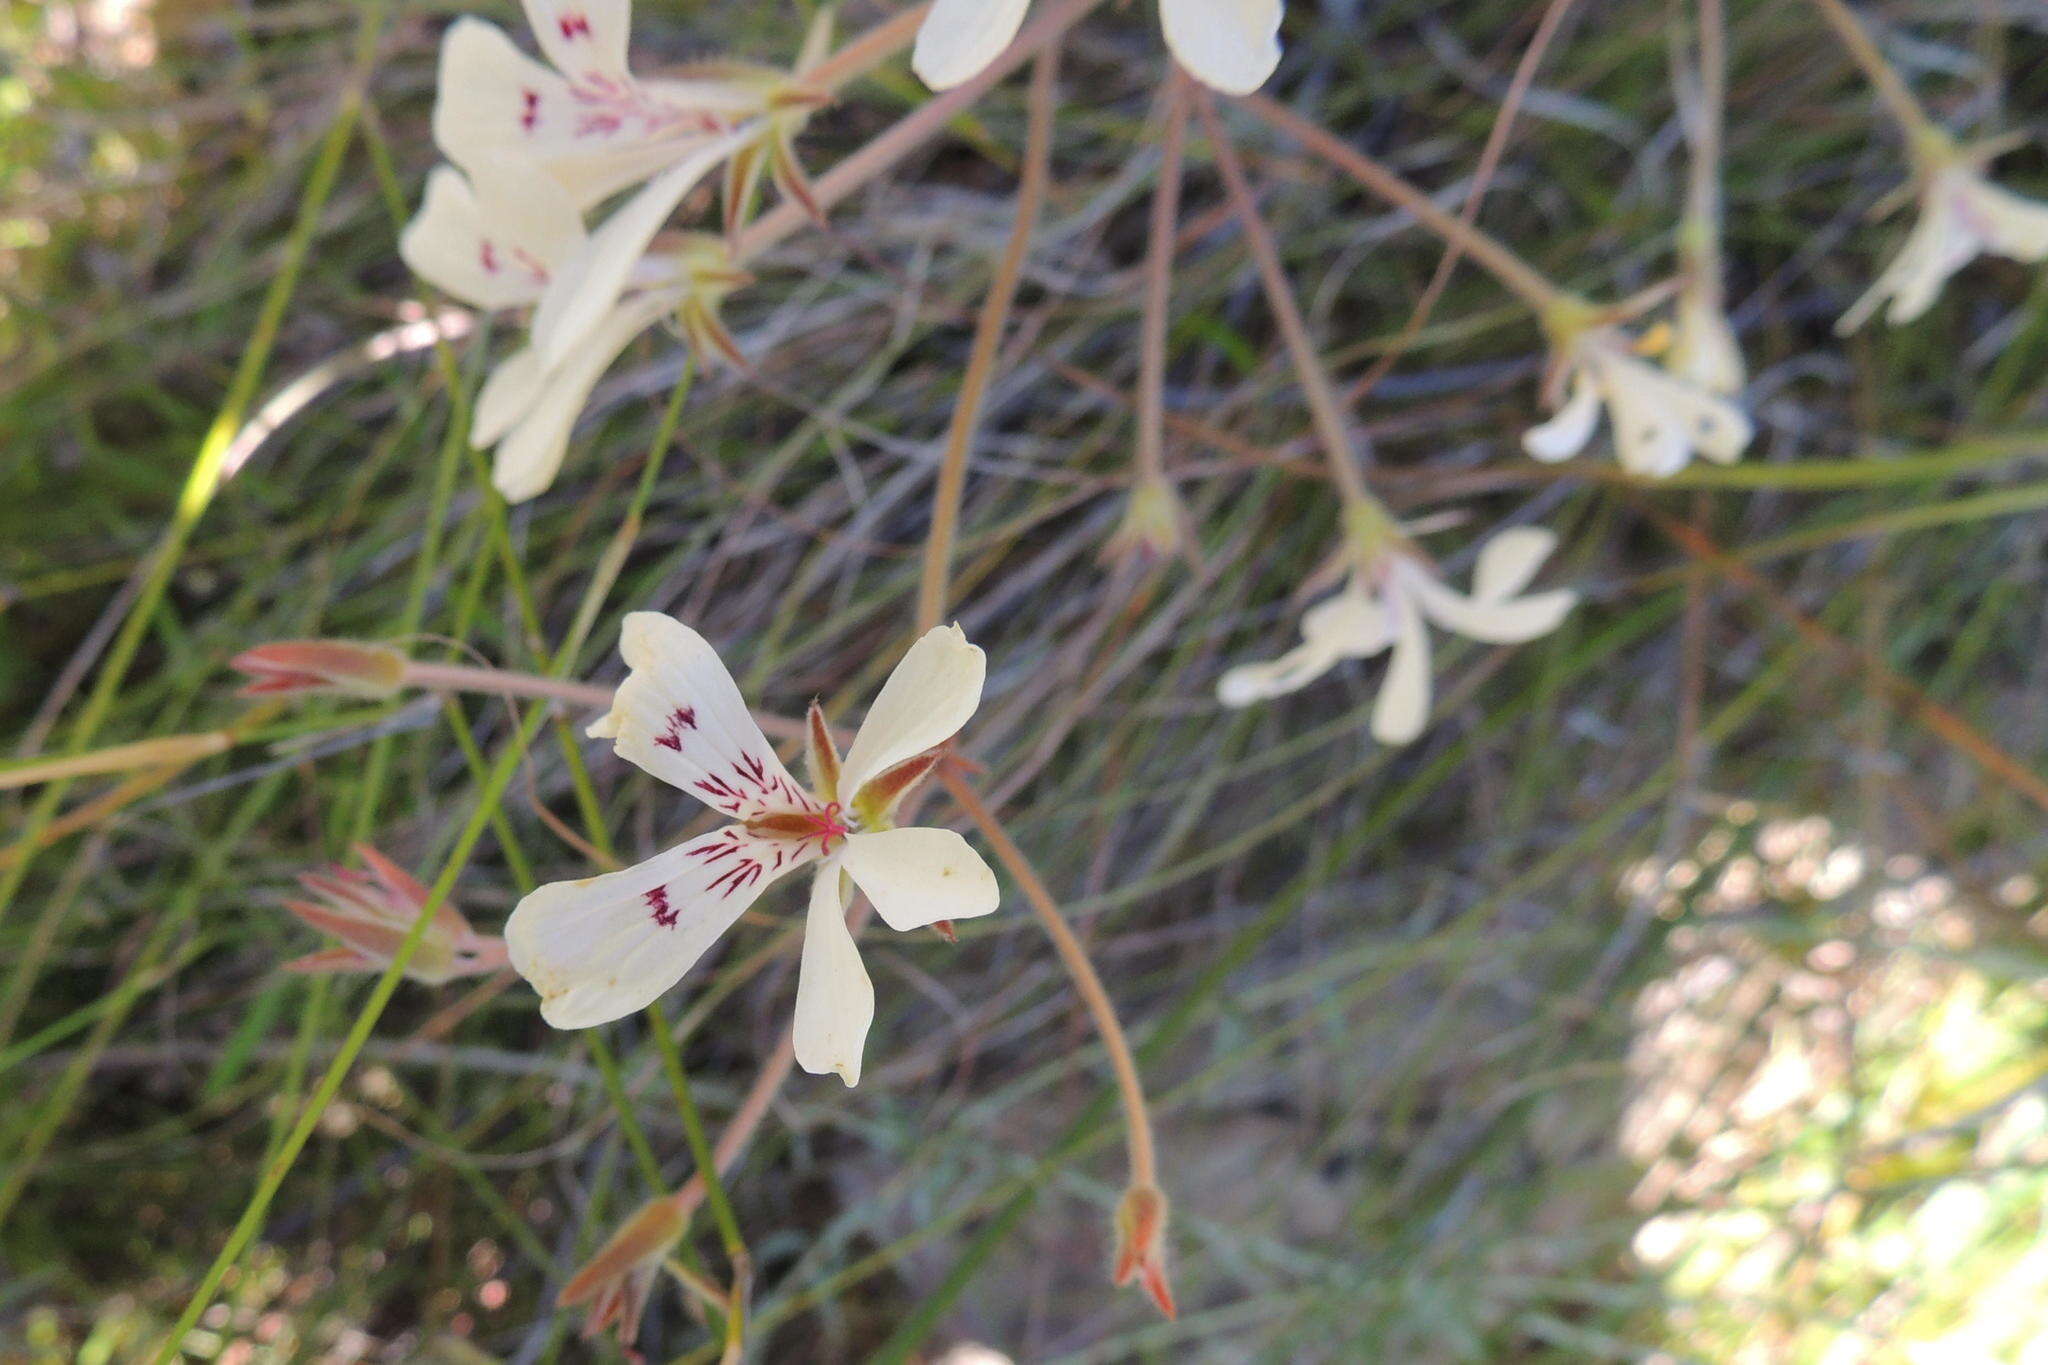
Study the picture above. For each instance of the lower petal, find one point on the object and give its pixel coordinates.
(1567, 432)
(1292, 671)
(600, 948)
(1402, 709)
(920, 876)
(531, 454)
(835, 1001)
(508, 395)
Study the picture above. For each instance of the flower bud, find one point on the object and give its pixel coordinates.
(1141, 1244)
(370, 914)
(1154, 528)
(615, 1284)
(326, 666)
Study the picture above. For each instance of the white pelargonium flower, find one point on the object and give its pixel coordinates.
(1660, 419)
(600, 948)
(498, 239)
(1230, 45)
(581, 117)
(1962, 216)
(1383, 606)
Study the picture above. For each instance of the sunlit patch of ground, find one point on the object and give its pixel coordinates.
(1837, 1106)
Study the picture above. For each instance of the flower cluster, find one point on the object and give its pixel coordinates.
(563, 172)
(533, 146)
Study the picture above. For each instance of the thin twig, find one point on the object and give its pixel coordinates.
(1332, 427)
(1130, 1089)
(988, 338)
(1520, 278)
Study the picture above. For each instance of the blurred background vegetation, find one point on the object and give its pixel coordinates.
(1677, 998)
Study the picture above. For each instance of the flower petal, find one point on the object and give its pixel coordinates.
(530, 454)
(509, 393)
(1494, 621)
(491, 100)
(1353, 624)
(1568, 430)
(679, 715)
(1228, 45)
(835, 1001)
(1509, 560)
(588, 284)
(1402, 709)
(960, 37)
(495, 104)
(2015, 227)
(485, 243)
(1659, 419)
(1292, 671)
(600, 948)
(920, 876)
(1941, 243)
(585, 39)
(924, 703)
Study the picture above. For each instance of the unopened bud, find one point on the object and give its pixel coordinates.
(616, 1282)
(331, 666)
(1141, 1244)
(1154, 528)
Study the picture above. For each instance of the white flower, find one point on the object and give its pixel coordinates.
(1232, 45)
(1659, 418)
(496, 239)
(600, 948)
(585, 120)
(1962, 215)
(1383, 605)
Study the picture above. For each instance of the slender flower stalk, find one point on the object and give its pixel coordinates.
(1325, 409)
(1520, 278)
(1898, 97)
(989, 328)
(1134, 1254)
(877, 156)
(1497, 136)
(1155, 523)
(1704, 349)
(863, 54)
(1389, 586)
(375, 671)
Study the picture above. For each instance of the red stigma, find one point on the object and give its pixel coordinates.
(827, 826)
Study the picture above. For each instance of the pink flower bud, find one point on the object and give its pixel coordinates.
(1141, 1244)
(615, 1283)
(332, 666)
(372, 912)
